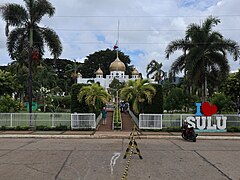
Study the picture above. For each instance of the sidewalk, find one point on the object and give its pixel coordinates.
(111, 135)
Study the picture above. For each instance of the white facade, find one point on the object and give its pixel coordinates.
(117, 71)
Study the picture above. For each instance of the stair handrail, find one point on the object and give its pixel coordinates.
(135, 119)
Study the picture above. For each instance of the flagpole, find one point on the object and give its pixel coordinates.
(118, 31)
(118, 38)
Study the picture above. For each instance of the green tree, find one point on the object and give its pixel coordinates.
(27, 36)
(231, 88)
(73, 69)
(155, 69)
(76, 105)
(156, 107)
(137, 92)
(204, 53)
(8, 104)
(7, 83)
(61, 67)
(45, 77)
(114, 86)
(175, 100)
(95, 96)
(103, 59)
(222, 102)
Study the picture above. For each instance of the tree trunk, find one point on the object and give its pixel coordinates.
(30, 74)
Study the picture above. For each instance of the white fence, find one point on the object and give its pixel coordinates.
(150, 121)
(82, 120)
(35, 119)
(159, 121)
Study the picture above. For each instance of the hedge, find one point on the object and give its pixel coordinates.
(76, 106)
(156, 107)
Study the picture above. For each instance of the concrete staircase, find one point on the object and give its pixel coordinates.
(108, 125)
(127, 122)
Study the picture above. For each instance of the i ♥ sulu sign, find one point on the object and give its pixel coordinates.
(205, 119)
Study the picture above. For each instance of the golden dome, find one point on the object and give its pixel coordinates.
(99, 71)
(117, 65)
(135, 72)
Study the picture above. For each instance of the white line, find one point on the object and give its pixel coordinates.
(113, 160)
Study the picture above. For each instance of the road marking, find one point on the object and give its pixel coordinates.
(113, 160)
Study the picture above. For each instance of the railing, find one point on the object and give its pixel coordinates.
(88, 120)
(150, 121)
(98, 118)
(83, 121)
(135, 119)
(158, 121)
(35, 119)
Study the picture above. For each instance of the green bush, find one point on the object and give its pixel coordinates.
(47, 128)
(61, 128)
(43, 128)
(76, 106)
(233, 129)
(7, 104)
(21, 128)
(3, 128)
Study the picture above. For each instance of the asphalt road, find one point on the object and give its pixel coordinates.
(92, 159)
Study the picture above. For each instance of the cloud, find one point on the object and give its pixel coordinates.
(146, 27)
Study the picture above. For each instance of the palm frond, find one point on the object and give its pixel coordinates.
(41, 8)
(173, 46)
(14, 14)
(52, 40)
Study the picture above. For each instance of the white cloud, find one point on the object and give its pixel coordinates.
(146, 26)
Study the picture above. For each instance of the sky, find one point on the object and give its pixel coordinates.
(146, 27)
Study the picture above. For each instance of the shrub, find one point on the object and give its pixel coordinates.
(7, 104)
(233, 129)
(61, 128)
(77, 106)
(43, 128)
(156, 107)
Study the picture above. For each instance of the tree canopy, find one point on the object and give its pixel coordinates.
(204, 54)
(103, 59)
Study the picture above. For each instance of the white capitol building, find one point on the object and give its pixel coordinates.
(117, 70)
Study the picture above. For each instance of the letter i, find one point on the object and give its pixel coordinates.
(198, 105)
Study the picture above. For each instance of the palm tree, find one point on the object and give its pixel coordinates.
(155, 68)
(137, 92)
(94, 95)
(73, 68)
(27, 37)
(204, 53)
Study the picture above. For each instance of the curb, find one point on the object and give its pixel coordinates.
(113, 137)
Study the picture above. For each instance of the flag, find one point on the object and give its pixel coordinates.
(116, 45)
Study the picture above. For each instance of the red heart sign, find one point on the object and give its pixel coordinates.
(208, 109)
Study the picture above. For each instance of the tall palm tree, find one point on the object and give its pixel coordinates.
(204, 53)
(137, 92)
(155, 68)
(27, 36)
(73, 68)
(94, 96)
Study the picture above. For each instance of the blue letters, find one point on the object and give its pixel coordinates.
(198, 105)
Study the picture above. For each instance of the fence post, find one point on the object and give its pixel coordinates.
(11, 123)
(53, 119)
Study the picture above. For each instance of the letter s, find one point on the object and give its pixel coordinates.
(191, 120)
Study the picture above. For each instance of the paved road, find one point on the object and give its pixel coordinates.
(90, 159)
